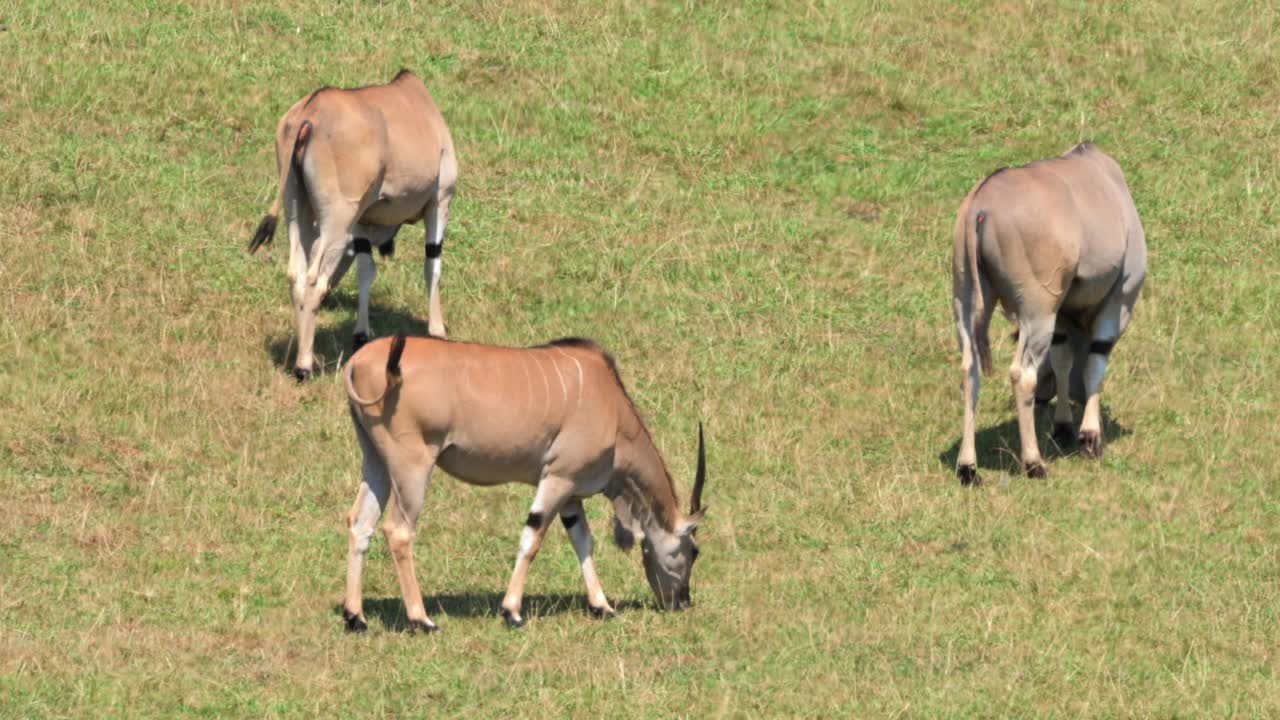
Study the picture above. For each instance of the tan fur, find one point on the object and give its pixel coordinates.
(1059, 245)
(555, 417)
(358, 163)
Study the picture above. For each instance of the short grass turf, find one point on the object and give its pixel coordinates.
(750, 204)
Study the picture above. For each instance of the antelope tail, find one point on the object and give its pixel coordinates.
(700, 477)
(975, 222)
(393, 374)
(287, 161)
(972, 291)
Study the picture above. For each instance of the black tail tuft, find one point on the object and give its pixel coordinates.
(266, 231)
(393, 358)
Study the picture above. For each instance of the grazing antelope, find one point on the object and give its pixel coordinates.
(1059, 245)
(354, 166)
(556, 417)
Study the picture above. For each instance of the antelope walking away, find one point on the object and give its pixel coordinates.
(1059, 245)
(355, 165)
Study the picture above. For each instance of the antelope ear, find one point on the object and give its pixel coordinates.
(690, 524)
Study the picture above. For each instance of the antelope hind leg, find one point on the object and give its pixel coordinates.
(409, 479)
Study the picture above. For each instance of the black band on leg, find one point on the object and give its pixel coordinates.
(569, 521)
(534, 521)
(361, 245)
(1101, 347)
(1059, 338)
(434, 251)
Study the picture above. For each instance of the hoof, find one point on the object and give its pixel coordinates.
(1035, 470)
(355, 623)
(301, 374)
(358, 341)
(1063, 434)
(423, 626)
(514, 621)
(601, 613)
(968, 475)
(387, 249)
(1091, 444)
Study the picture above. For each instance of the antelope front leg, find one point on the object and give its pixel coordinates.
(1105, 331)
(552, 493)
(1061, 356)
(367, 272)
(437, 218)
(574, 518)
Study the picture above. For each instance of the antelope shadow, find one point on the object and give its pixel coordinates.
(333, 341)
(390, 610)
(999, 446)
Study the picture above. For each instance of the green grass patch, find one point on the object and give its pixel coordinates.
(750, 204)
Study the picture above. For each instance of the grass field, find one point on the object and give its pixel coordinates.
(750, 204)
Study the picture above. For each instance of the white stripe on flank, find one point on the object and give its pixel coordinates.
(528, 382)
(564, 389)
(546, 388)
(580, 380)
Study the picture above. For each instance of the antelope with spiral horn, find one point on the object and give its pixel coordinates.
(556, 417)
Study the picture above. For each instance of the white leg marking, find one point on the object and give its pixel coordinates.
(580, 536)
(437, 217)
(1095, 370)
(550, 497)
(1106, 328)
(970, 383)
(1035, 336)
(371, 500)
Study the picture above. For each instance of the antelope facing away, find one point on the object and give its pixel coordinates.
(1059, 245)
(354, 166)
(556, 417)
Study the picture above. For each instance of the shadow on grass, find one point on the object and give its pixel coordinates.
(390, 610)
(333, 341)
(999, 448)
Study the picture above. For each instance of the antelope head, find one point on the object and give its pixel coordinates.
(669, 558)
